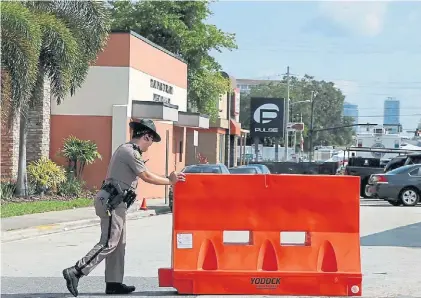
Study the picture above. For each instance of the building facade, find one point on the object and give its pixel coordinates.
(219, 143)
(351, 110)
(132, 78)
(391, 114)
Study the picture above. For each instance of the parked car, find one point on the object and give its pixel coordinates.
(264, 169)
(199, 169)
(245, 170)
(399, 186)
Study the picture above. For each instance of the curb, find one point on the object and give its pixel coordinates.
(32, 232)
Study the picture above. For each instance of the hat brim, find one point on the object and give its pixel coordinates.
(137, 125)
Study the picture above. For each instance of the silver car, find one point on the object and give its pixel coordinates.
(401, 186)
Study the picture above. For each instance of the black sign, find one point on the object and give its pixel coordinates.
(267, 117)
(161, 86)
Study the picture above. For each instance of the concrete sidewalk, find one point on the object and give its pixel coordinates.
(33, 225)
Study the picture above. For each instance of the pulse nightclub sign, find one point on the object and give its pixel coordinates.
(267, 117)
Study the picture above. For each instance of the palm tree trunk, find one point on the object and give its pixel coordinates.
(22, 182)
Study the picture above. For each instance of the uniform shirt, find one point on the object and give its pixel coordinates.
(125, 166)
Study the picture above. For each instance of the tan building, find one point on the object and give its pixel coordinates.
(132, 78)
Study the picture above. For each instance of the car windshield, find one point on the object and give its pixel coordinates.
(202, 169)
(243, 170)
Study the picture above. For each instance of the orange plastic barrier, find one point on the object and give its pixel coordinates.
(322, 210)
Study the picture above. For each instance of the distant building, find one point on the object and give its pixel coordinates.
(391, 114)
(245, 85)
(351, 110)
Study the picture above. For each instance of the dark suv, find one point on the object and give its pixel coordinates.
(199, 169)
(403, 160)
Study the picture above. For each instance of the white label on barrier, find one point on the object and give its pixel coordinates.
(184, 241)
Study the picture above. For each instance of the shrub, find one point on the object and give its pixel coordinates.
(72, 187)
(7, 189)
(45, 174)
(78, 154)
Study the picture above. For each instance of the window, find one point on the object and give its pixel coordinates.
(416, 172)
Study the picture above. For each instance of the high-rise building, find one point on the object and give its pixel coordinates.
(351, 110)
(391, 114)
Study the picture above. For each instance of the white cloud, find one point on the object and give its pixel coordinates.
(366, 18)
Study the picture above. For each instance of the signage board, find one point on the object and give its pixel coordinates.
(295, 126)
(195, 138)
(266, 117)
(235, 102)
(159, 87)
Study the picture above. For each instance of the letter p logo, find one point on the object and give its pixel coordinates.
(266, 113)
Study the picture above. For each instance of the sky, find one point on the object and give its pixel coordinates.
(371, 50)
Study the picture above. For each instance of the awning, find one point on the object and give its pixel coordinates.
(235, 128)
(196, 120)
(154, 110)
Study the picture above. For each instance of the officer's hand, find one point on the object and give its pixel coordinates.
(176, 177)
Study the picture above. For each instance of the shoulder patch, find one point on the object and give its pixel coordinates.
(137, 155)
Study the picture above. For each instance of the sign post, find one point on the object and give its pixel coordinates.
(266, 119)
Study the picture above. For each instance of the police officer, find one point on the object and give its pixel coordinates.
(125, 167)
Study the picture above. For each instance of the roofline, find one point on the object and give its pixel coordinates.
(144, 39)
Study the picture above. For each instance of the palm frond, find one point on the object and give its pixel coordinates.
(21, 38)
(59, 52)
(89, 22)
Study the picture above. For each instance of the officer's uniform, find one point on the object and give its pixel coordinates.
(125, 166)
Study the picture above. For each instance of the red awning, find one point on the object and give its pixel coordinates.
(235, 128)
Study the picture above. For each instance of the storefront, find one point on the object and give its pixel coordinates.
(132, 78)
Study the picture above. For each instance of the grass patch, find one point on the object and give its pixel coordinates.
(16, 209)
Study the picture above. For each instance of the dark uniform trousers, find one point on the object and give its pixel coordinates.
(112, 245)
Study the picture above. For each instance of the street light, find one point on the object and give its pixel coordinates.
(296, 102)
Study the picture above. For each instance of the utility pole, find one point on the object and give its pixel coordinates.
(301, 137)
(286, 134)
(313, 95)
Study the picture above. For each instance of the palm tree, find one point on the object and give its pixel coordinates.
(72, 34)
(20, 47)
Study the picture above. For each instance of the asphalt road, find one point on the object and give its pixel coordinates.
(390, 246)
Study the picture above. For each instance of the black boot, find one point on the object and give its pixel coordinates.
(72, 276)
(118, 288)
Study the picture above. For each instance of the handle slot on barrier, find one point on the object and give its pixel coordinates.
(295, 239)
(237, 238)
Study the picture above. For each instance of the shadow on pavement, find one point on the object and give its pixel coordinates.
(406, 236)
(67, 295)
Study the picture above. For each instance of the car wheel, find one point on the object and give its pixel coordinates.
(409, 196)
(366, 192)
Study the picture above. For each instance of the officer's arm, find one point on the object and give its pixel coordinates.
(138, 166)
(152, 178)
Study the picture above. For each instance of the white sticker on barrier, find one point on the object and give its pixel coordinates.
(184, 241)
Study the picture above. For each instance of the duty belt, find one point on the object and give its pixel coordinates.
(117, 196)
